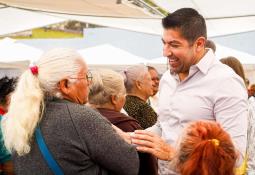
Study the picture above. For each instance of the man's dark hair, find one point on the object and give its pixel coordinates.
(188, 21)
(7, 86)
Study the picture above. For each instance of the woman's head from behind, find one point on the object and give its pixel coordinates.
(107, 90)
(206, 149)
(235, 64)
(138, 81)
(59, 73)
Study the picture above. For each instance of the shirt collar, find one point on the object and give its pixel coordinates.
(205, 63)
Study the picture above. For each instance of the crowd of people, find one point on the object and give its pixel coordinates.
(198, 118)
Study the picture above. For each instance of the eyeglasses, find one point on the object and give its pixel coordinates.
(88, 76)
(155, 79)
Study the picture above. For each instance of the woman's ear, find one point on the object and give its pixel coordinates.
(138, 85)
(114, 99)
(63, 86)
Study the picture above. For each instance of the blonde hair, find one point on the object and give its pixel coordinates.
(105, 84)
(133, 74)
(27, 101)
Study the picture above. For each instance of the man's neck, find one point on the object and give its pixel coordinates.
(182, 76)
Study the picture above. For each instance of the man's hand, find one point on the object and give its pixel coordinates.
(153, 144)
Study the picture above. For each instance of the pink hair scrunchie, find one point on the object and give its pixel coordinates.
(34, 70)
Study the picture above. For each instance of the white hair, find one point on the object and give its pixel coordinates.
(132, 74)
(27, 101)
(105, 84)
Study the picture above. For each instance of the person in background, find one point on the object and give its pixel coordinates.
(7, 86)
(235, 64)
(247, 83)
(107, 95)
(237, 67)
(210, 44)
(205, 148)
(49, 99)
(138, 85)
(153, 100)
(252, 90)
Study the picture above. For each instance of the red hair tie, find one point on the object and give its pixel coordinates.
(34, 70)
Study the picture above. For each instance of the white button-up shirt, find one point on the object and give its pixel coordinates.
(212, 91)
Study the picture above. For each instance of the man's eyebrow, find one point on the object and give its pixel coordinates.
(171, 42)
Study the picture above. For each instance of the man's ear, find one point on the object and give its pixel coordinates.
(63, 86)
(200, 43)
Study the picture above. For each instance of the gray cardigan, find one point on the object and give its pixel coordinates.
(81, 141)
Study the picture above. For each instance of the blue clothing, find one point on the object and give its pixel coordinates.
(4, 153)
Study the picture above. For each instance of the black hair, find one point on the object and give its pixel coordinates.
(7, 86)
(190, 23)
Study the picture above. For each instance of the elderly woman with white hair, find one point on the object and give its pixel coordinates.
(49, 130)
(139, 88)
(107, 95)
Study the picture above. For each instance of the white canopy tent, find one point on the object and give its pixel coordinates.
(228, 26)
(215, 27)
(16, 20)
(11, 22)
(110, 8)
(108, 56)
(17, 55)
(212, 9)
(150, 26)
(222, 17)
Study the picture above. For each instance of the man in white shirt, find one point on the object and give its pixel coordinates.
(197, 87)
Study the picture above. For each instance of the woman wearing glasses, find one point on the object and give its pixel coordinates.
(49, 130)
